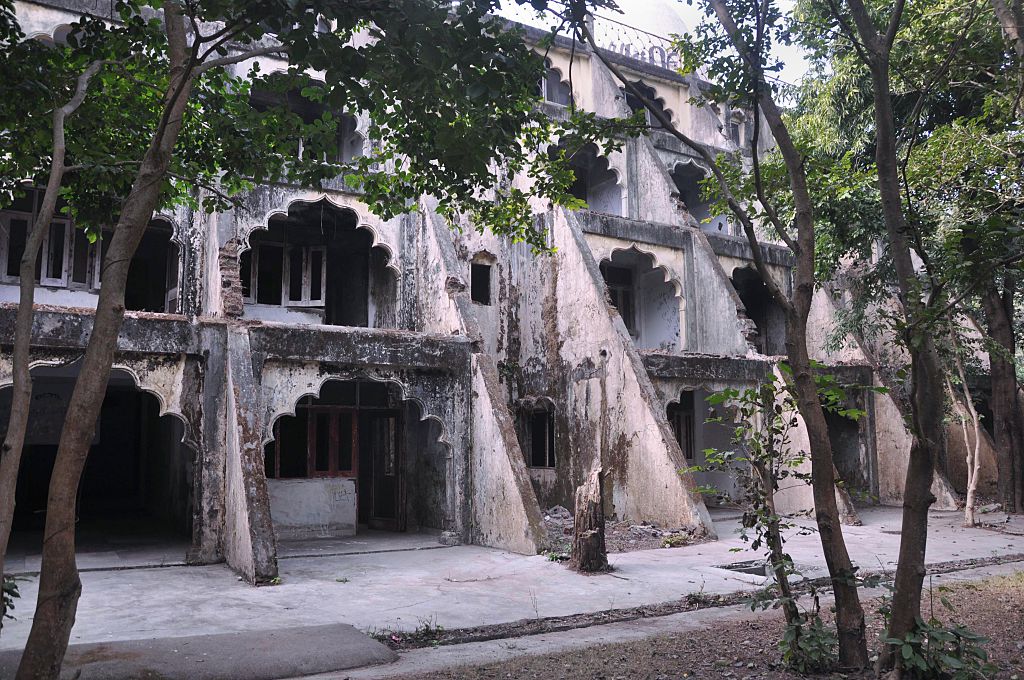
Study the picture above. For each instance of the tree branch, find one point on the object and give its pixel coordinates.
(242, 56)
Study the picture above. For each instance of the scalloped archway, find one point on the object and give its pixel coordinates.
(367, 433)
(317, 263)
(137, 492)
(649, 299)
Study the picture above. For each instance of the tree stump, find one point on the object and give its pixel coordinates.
(589, 553)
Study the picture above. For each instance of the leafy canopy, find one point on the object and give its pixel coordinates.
(450, 94)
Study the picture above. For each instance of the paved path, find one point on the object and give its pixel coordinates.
(266, 655)
(494, 651)
(462, 586)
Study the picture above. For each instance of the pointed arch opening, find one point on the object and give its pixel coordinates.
(647, 300)
(316, 264)
(136, 499)
(552, 88)
(356, 457)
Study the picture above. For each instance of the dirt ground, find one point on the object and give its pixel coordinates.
(619, 536)
(748, 650)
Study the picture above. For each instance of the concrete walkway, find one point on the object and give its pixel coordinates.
(263, 655)
(449, 657)
(454, 587)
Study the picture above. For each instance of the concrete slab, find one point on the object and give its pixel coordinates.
(364, 542)
(264, 655)
(121, 544)
(462, 586)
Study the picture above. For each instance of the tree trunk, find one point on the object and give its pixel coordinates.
(850, 624)
(59, 583)
(927, 381)
(589, 553)
(973, 452)
(21, 398)
(1006, 413)
(776, 553)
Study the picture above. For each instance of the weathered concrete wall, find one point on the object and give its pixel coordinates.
(313, 508)
(505, 509)
(438, 280)
(956, 456)
(576, 351)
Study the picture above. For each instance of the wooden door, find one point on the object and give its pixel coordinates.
(381, 435)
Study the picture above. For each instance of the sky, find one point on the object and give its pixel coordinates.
(665, 17)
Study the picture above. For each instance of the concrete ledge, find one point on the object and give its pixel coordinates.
(706, 367)
(362, 346)
(260, 655)
(739, 247)
(70, 328)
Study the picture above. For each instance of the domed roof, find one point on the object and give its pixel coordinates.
(660, 17)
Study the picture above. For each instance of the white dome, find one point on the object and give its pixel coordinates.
(660, 17)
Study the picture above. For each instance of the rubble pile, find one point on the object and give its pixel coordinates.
(620, 537)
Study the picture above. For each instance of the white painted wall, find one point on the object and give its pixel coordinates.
(313, 508)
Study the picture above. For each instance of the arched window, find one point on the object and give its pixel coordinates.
(595, 182)
(348, 143)
(321, 267)
(552, 88)
(688, 177)
(636, 104)
(647, 303)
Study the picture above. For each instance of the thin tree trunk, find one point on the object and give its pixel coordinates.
(21, 399)
(850, 625)
(927, 381)
(1006, 413)
(973, 453)
(1011, 20)
(776, 553)
(849, 613)
(59, 583)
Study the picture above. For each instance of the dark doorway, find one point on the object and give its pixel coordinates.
(153, 275)
(762, 309)
(381, 501)
(849, 454)
(137, 488)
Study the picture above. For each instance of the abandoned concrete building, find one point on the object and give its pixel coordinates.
(297, 367)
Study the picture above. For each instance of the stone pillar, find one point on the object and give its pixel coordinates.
(250, 546)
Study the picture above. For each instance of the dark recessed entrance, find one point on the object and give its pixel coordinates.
(364, 443)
